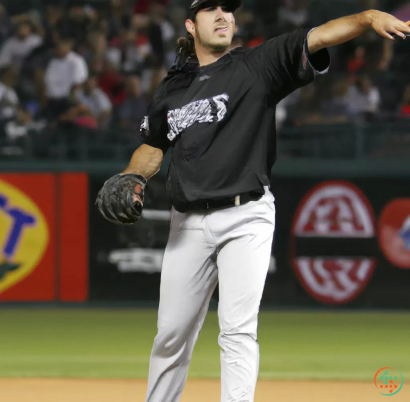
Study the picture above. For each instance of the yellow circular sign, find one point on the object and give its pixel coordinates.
(23, 235)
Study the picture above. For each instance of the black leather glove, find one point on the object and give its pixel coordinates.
(121, 199)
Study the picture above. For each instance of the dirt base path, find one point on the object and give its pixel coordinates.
(54, 390)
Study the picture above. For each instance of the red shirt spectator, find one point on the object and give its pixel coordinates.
(142, 6)
(357, 62)
(112, 84)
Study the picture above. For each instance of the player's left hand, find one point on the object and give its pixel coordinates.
(121, 199)
(387, 25)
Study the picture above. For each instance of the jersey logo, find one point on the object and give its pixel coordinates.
(204, 77)
(201, 111)
(145, 124)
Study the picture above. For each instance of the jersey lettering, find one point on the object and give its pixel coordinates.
(201, 111)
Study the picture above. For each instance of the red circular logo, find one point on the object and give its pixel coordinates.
(394, 232)
(329, 216)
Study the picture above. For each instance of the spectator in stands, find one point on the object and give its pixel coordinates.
(6, 25)
(96, 101)
(67, 70)
(129, 51)
(161, 35)
(135, 107)
(94, 50)
(357, 62)
(112, 83)
(15, 49)
(19, 127)
(52, 21)
(363, 98)
(78, 22)
(404, 107)
(336, 109)
(8, 98)
(293, 14)
(118, 18)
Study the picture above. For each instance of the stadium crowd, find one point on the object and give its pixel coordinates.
(95, 65)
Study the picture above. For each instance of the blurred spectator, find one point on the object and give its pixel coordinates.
(404, 108)
(16, 48)
(135, 106)
(293, 14)
(94, 50)
(363, 98)
(129, 51)
(77, 23)
(112, 83)
(53, 18)
(119, 18)
(142, 6)
(6, 25)
(8, 98)
(76, 115)
(161, 35)
(18, 127)
(96, 101)
(65, 71)
(336, 109)
(357, 62)
(155, 79)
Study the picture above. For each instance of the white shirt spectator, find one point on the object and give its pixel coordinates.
(97, 101)
(15, 50)
(62, 74)
(361, 102)
(8, 102)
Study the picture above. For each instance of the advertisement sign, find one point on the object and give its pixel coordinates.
(333, 245)
(43, 237)
(27, 234)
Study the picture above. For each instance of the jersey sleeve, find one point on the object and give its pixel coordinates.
(154, 127)
(284, 63)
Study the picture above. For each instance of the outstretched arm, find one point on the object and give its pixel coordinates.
(344, 29)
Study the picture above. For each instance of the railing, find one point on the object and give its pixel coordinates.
(348, 141)
(319, 142)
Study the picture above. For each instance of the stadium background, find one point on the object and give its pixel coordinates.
(78, 296)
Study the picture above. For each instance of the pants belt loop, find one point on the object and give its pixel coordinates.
(237, 200)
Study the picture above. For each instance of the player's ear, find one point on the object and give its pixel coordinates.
(236, 29)
(190, 26)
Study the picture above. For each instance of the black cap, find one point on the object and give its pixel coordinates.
(232, 5)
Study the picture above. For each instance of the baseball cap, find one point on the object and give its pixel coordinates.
(231, 5)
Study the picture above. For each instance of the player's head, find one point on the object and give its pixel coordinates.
(212, 24)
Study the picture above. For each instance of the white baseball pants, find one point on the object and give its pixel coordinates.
(232, 246)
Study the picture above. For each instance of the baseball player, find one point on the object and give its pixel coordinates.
(216, 109)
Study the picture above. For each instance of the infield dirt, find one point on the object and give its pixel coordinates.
(56, 390)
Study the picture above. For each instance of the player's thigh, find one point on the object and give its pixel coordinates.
(188, 278)
(243, 264)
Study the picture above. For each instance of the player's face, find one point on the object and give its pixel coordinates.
(215, 28)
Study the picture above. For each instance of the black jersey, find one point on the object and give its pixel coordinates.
(220, 118)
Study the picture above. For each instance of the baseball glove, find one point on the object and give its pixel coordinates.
(121, 199)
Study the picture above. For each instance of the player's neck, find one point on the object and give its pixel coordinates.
(207, 56)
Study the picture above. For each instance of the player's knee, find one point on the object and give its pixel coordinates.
(231, 340)
(169, 341)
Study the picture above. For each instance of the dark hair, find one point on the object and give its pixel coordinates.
(186, 45)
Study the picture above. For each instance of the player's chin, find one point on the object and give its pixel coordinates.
(221, 44)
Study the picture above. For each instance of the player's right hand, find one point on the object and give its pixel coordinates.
(121, 199)
(387, 25)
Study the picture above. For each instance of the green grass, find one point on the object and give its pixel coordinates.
(117, 344)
